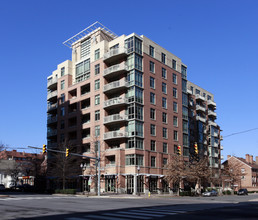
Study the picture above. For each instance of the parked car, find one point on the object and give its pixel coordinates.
(210, 193)
(2, 187)
(242, 192)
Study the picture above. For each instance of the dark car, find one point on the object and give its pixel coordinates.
(242, 192)
(210, 193)
(2, 187)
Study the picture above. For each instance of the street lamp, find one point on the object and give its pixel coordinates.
(138, 182)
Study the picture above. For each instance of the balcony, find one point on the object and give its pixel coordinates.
(216, 154)
(221, 157)
(205, 142)
(212, 123)
(115, 135)
(115, 70)
(199, 118)
(51, 95)
(221, 147)
(115, 118)
(212, 113)
(211, 103)
(52, 119)
(200, 108)
(215, 144)
(199, 97)
(115, 54)
(51, 107)
(51, 133)
(215, 134)
(115, 86)
(118, 101)
(52, 83)
(189, 91)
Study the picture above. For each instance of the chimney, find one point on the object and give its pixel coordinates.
(247, 158)
(251, 159)
(256, 160)
(228, 157)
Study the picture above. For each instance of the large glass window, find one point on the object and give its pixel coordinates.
(135, 128)
(134, 159)
(152, 67)
(133, 44)
(135, 143)
(85, 48)
(134, 77)
(185, 99)
(138, 62)
(82, 71)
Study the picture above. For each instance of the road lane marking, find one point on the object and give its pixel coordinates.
(126, 216)
(102, 217)
(139, 213)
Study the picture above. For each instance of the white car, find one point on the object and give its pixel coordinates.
(211, 193)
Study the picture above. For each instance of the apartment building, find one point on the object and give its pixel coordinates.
(203, 129)
(124, 93)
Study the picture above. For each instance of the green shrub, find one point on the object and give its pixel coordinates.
(186, 193)
(66, 191)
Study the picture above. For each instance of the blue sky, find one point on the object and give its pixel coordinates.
(216, 39)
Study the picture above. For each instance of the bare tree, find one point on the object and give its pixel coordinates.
(62, 167)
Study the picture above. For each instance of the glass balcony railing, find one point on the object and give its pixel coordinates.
(212, 123)
(114, 54)
(115, 118)
(115, 69)
(211, 103)
(199, 118)
(199, 97)
(115, 85)
(51, 82)
(115, 101)
(212, 113)
(51, 95)
(200, 108)
(115, 134)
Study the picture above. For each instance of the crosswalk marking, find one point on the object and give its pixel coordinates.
(158, 212)
(166, 210)
(143, 214)
(102, 217)
(126, 216)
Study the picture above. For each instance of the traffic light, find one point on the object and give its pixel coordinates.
(179, 150)
(67, 152)
(196, 148)
(44, 149)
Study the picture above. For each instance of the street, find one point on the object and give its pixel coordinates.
(36, 206)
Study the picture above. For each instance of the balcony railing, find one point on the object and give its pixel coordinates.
(212, 113)
(221, 157)
(210, 102)
(115, 101)
(115, 134)
(215, 134)
(215, 144)
(51, 95)
(212, 123)
(51, 82)
(114, 53)
(115, 118)
(51, 133)
(199, 118)
(52, 107)
(199, 97)
(52, 119)
(221, 147)
(115, 85)
(115, 69)
(200, 108)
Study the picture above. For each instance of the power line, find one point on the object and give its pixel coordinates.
(240, 132)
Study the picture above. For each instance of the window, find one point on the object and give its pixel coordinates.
(62, 111)
(97, 115)
(97, 131)
(175, 92)
(82, 71)
(152, 114)
(62, 71)
(165, 133)
(164, 102)
(163, 58)
(151, 52)
(174, 64)
(165, 161)
(153, 130)
(174, 106)
(152, 67)
(164, 88)
(164, 73)
(152, 82)
(175, 121)
(197, 91)
(62, 84)
(174, 78)
(175, 135)
(97, 69)
(165, 147)
(153, 161)
(152, 98)
(85, 48)
(62, 98)
(153, 145)
(134, 159)
(97, 84)
(97, 99)
(164, 117)
(97, 54)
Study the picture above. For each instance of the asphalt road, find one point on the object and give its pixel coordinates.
(33, 206)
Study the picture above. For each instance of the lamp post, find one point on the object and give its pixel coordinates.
(83, 167)
(138, 180)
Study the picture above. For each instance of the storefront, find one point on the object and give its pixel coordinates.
(110, 183)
